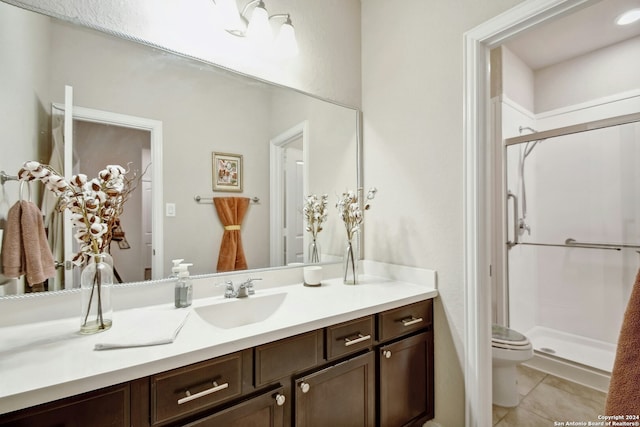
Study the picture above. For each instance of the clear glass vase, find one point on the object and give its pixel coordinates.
(314, 252)
(95, 284)
(350, 262)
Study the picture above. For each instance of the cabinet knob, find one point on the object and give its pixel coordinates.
(304, 387)
(280, 399)
(387, 354)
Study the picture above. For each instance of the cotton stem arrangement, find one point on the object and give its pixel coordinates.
(95, 204)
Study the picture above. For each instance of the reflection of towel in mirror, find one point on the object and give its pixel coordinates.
(623, 397)
(231, 211)
(25, 249)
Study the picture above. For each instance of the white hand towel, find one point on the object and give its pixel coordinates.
(138, 328)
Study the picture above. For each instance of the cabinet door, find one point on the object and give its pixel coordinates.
(107, 407)
(406, 380)
(340, 395)
(265, 410)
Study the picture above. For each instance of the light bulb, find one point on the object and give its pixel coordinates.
(286, 44)
(259, 29)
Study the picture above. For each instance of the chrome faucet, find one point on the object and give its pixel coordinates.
(244, 289)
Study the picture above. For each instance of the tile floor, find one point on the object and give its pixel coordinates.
(546, 400)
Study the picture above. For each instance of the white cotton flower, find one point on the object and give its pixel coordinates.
(79, 180)
(41, 173)
(31, 165)
(78, 259)
(91, 204)
(98, 229)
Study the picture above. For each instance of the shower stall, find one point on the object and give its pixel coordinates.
(573, 235)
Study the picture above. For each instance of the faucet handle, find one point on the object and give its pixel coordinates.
(249, 285)
(229, 291)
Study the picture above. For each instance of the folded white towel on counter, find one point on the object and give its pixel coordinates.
(143, 327)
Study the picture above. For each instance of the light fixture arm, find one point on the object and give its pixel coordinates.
(286, 16)
(245, 9)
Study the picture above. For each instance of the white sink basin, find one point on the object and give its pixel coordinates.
(233, 313)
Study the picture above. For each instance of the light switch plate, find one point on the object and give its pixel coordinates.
(170, 209)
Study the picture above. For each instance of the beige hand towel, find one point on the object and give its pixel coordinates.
(25, 249)
(37, 253)
(13, 263)
(624, 388)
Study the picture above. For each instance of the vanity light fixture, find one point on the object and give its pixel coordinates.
(629, 17)
(256, 26)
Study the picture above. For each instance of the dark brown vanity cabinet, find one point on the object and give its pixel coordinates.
(108, 407)
(338, 395)
(406, 381)
(405, 365)
(376, 370)
(264, 410)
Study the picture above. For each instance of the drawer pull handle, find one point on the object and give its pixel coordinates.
(280, 399)
(304, 387)
(189, 397)
(411, 321)
(360, 338)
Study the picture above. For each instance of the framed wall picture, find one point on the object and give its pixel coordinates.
(227, 172)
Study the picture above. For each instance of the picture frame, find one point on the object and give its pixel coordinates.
(227, 172)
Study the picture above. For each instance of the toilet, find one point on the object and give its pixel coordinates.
(508, 349)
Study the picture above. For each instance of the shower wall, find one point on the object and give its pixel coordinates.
(584, 186)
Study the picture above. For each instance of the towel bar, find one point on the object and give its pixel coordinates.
(199, 199)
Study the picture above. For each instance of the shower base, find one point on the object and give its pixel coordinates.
(579, 359)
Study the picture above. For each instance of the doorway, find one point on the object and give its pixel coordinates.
(115, 127)
(97, 145)
(479, 182)
(289, 184)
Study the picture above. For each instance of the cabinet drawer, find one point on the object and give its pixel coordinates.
(403, 320)
(195, 387)
(349, 337)
(285, 357)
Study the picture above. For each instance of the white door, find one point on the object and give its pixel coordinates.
(69, 244)
(147, 229)
(294, 197)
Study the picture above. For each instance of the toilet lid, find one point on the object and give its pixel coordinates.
(507, 338)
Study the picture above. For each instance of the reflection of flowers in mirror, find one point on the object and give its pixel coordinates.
(95, 204)
(315, 213)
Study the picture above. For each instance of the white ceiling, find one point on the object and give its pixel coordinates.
(581, 32)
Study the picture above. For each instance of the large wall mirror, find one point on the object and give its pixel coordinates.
(202, 110)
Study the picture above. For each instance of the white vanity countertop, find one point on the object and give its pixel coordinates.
(45, 361)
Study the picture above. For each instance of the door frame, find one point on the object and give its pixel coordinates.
(276, 197)
(154, 127)
(478, 191)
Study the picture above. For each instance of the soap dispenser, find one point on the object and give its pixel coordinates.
(184, 288)
(175, 268)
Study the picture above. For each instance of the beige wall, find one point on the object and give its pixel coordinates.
(25, 63)
(328, 34)
(610, 70)
(412, 107)
(332, 153)
(518, 80)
